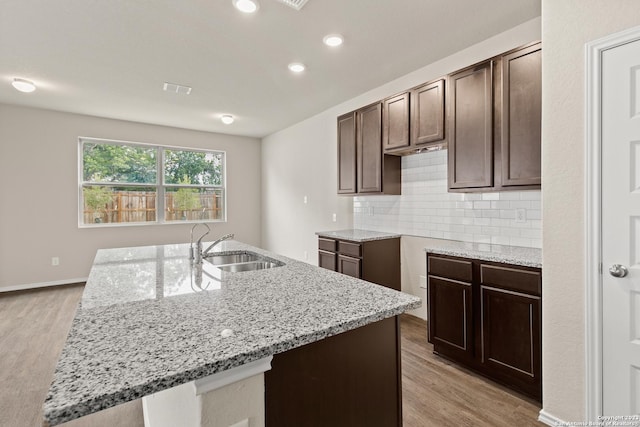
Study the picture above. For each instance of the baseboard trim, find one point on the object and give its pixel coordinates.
(29, 286)
(550, 420)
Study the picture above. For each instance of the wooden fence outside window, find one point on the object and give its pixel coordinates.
(139, 206)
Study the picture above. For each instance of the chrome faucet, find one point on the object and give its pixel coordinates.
(195, 253)
(213, 245)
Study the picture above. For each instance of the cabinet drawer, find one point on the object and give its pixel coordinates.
(351, 249)
(349, 266)
(512, 279)
(327, 260)
(327, 245)
(449, 268)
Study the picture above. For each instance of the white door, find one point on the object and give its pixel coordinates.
(621, 229)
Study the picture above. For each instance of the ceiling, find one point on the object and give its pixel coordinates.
(110, 58)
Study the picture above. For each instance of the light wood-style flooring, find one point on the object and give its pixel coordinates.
(34, 325)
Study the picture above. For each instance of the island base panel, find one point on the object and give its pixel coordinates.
(350, 379)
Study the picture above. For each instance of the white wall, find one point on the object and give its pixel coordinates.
(39, 192)
(302, 159)
(566, 26)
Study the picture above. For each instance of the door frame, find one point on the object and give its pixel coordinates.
(593, 214)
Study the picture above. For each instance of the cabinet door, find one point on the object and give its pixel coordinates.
(511, 337)
(395, 122)
(347, 154)
(369, 149)
(427, 113)
(450, 317)
(327, 260)
(521, 117)
(471, 126)
(349, 266)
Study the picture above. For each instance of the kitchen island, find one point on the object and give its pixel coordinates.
(150, 320)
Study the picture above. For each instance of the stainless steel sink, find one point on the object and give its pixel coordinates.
(232, 258)
(238, 262)
(249, 266)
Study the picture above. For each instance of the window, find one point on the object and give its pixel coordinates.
(130, 183)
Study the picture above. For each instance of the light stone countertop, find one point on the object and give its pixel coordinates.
(516, 255)
(356, 235)
(150, 320)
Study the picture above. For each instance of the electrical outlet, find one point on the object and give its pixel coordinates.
(335, 217)
(304, 200)
(55, 261)
(243, 423)
(423, 282)
(521, 215)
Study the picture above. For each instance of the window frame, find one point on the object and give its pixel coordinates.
(160, 184)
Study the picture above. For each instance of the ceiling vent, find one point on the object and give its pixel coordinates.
(295, 4)
(176, 88)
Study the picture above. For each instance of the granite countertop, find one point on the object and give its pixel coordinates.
(150, 320)
(516, 255)
(356, 235)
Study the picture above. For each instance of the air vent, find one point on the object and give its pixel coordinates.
(176, 88)
(295, 4)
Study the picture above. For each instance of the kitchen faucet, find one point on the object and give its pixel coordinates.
(196, 253)
(213, 245)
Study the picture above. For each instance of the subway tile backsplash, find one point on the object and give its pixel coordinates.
(426, 209)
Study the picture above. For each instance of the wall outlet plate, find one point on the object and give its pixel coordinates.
(55, 261)
(423, 282)
(521, 215)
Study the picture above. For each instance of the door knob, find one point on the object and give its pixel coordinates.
(618, 270)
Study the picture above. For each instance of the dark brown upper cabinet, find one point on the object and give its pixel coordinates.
(427, 114)
(471, 126)
(347, 153)
(414, 120)
(495, 123)
(369, 149)
(362, 166)
(521, 117)
(489, 118)
(395, 122)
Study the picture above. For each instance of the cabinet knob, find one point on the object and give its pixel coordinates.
(618, 270)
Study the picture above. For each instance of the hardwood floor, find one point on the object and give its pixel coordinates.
(34, 326)
(437, 392)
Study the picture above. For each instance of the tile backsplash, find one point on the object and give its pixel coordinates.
(426, 209)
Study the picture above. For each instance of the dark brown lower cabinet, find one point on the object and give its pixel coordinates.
(349, 266)
(511, 337)
(327, 260)
(351, 379)
(376, 261)
(488, 316)
(452, 318)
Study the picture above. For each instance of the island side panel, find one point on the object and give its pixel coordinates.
(353, 378)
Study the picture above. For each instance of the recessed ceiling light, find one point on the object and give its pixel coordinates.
(23, 85)
(333, 40)
(246, 6)
(227, 119)
(296, 67)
